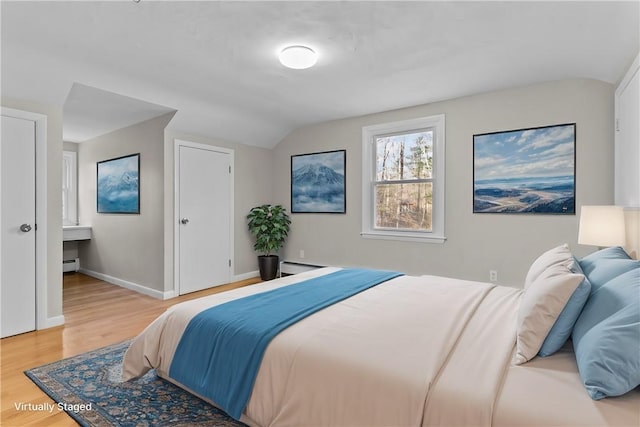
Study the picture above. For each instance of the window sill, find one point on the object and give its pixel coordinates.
(405, 237)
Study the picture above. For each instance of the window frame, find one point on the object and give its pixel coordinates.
(70, 190)
(369, 135)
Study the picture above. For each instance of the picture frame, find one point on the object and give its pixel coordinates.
(318, 182)
(525, 171)
(118, 185)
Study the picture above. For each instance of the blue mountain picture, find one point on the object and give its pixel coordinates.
(317, 183)
(119, 185)
(525, 171)
(525, 195)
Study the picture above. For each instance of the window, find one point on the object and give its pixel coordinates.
(403, 180)
(69, 188)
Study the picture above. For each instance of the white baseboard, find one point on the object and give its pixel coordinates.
(153, 292)
(169, 294)
(234, 278)
(129, 285)
(245, 276)
(51, 322)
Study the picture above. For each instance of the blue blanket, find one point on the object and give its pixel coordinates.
(221, 349)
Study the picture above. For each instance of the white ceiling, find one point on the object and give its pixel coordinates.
(215, 62)
(90, 112)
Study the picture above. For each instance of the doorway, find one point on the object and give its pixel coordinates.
(203, 216)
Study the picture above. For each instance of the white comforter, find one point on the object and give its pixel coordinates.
(412, 351)
(391, 356)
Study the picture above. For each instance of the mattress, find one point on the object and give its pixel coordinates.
(412, 351)
(548, 391)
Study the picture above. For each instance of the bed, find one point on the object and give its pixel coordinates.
(410, 351)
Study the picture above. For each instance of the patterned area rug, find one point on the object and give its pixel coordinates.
(89, 388)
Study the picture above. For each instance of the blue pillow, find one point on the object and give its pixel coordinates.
(606, 337)
(604, 265)
(614, 252)
(561, 330)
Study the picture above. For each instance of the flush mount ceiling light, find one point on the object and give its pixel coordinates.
(298, 57)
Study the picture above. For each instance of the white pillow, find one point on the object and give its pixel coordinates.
(560, 255)
(541, 304)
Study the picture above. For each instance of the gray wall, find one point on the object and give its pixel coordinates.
(127, 247)
(475, 243)
(54, 198)
(253, 185)
(70, 146)
(139, 248)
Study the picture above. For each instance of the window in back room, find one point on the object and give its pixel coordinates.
(69, 188)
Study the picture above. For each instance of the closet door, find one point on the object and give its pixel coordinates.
(18, 248)
(204, 217)
(627, 139)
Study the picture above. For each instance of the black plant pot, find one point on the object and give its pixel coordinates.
(268, 265)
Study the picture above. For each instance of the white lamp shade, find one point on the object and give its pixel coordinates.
(602, 226)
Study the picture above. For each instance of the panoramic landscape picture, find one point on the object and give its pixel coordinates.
(318, 183)
(525, 171)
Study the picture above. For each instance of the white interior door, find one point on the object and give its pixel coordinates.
(204, 201)
(18, 252)
(627, 139)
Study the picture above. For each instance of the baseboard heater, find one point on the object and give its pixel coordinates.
(287, 268)
(70, 265)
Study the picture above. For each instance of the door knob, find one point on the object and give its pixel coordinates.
(184, 221)
(25, 228)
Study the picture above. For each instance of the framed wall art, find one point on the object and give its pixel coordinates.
(318, 183)
(525, 170)
(118, 185)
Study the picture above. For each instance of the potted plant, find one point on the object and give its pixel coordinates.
(270, 225)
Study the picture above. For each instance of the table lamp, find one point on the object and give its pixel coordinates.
(601, 226)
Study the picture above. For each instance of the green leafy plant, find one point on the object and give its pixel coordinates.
(270, 225)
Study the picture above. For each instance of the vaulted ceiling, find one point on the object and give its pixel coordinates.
(216, 62)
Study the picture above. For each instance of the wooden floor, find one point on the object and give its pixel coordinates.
(96, 314)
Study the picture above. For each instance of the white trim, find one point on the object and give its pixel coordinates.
(142, 289)
(176, 205)
(437, 234)
(631, 72)
(129, 285)
(52, 322)
(41, 211)
(403, 236)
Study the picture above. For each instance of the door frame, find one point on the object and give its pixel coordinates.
(41, 261)
(176, 205)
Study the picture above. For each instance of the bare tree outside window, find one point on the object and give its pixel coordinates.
(403, 174)
(404, 181)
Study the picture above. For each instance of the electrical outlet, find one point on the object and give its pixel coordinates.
(301, 255)
(493, 275)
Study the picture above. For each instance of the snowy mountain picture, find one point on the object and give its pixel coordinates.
(119, 185)
(318, 182)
